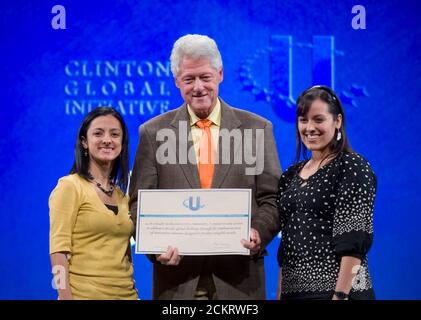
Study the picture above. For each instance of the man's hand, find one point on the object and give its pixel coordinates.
(254, 243)
(170, 258)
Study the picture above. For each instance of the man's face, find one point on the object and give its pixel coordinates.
(198, 82)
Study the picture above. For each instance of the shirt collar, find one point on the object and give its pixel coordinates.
(215, 115)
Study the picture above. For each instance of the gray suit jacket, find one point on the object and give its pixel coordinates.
(235, 277)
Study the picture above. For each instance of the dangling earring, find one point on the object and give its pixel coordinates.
(86, 152)
(339, 136)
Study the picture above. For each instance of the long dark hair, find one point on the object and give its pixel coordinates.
(120, 170)
(304, 102)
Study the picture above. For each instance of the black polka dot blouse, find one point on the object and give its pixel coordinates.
(323, 218)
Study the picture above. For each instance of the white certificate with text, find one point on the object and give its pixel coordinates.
(196, 221)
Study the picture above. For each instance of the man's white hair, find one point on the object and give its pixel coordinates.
(195, 46)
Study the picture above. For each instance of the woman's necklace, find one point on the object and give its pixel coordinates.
(310, 167)
(107, 192)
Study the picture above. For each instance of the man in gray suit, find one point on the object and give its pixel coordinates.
(205, 124)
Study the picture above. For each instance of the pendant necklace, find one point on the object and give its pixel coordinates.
(107, 192)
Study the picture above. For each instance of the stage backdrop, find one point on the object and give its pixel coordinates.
(117, 53)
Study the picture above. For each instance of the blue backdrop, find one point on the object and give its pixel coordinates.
(117, 52)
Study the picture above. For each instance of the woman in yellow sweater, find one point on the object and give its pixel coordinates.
(90, 227)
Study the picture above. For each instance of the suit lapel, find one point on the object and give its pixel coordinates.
(229, 121)
(181, 122)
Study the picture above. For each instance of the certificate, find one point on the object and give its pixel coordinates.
(196, 221)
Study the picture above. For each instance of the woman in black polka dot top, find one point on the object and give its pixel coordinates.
(325, 208)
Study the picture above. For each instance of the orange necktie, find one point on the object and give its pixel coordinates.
(206, 154)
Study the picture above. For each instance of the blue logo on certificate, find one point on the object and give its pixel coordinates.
(188, 203)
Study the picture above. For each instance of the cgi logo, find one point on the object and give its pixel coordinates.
(188, 203)
(281, 77)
